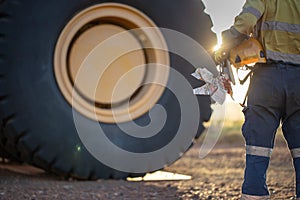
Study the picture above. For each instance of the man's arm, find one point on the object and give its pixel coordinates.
(242, 28)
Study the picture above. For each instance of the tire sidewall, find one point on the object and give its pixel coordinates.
(39, 105)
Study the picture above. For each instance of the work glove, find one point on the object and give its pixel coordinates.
(221, 55)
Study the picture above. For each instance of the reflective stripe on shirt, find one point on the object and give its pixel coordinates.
(293, 58)
(280, 26)
(252, 11)
(258, 151)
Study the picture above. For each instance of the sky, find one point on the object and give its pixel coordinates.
(222, 13)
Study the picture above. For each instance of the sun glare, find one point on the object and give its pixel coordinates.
(217, 47)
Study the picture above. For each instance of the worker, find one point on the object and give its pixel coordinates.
(274, 92)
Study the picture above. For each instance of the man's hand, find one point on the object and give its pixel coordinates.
(221, 55)
(227, 86)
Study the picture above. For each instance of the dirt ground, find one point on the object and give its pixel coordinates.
(218, 176)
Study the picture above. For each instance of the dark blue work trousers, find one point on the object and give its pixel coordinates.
(274, 97)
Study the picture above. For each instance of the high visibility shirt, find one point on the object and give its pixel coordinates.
(276, 24)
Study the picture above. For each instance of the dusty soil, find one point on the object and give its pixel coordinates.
(217, 176)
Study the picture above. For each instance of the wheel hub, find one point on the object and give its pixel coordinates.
(112, 90)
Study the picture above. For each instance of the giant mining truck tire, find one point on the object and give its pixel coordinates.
(43, 45)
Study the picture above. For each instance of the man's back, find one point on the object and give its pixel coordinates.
(279, 30)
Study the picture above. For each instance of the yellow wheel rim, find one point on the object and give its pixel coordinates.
(122, 92)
